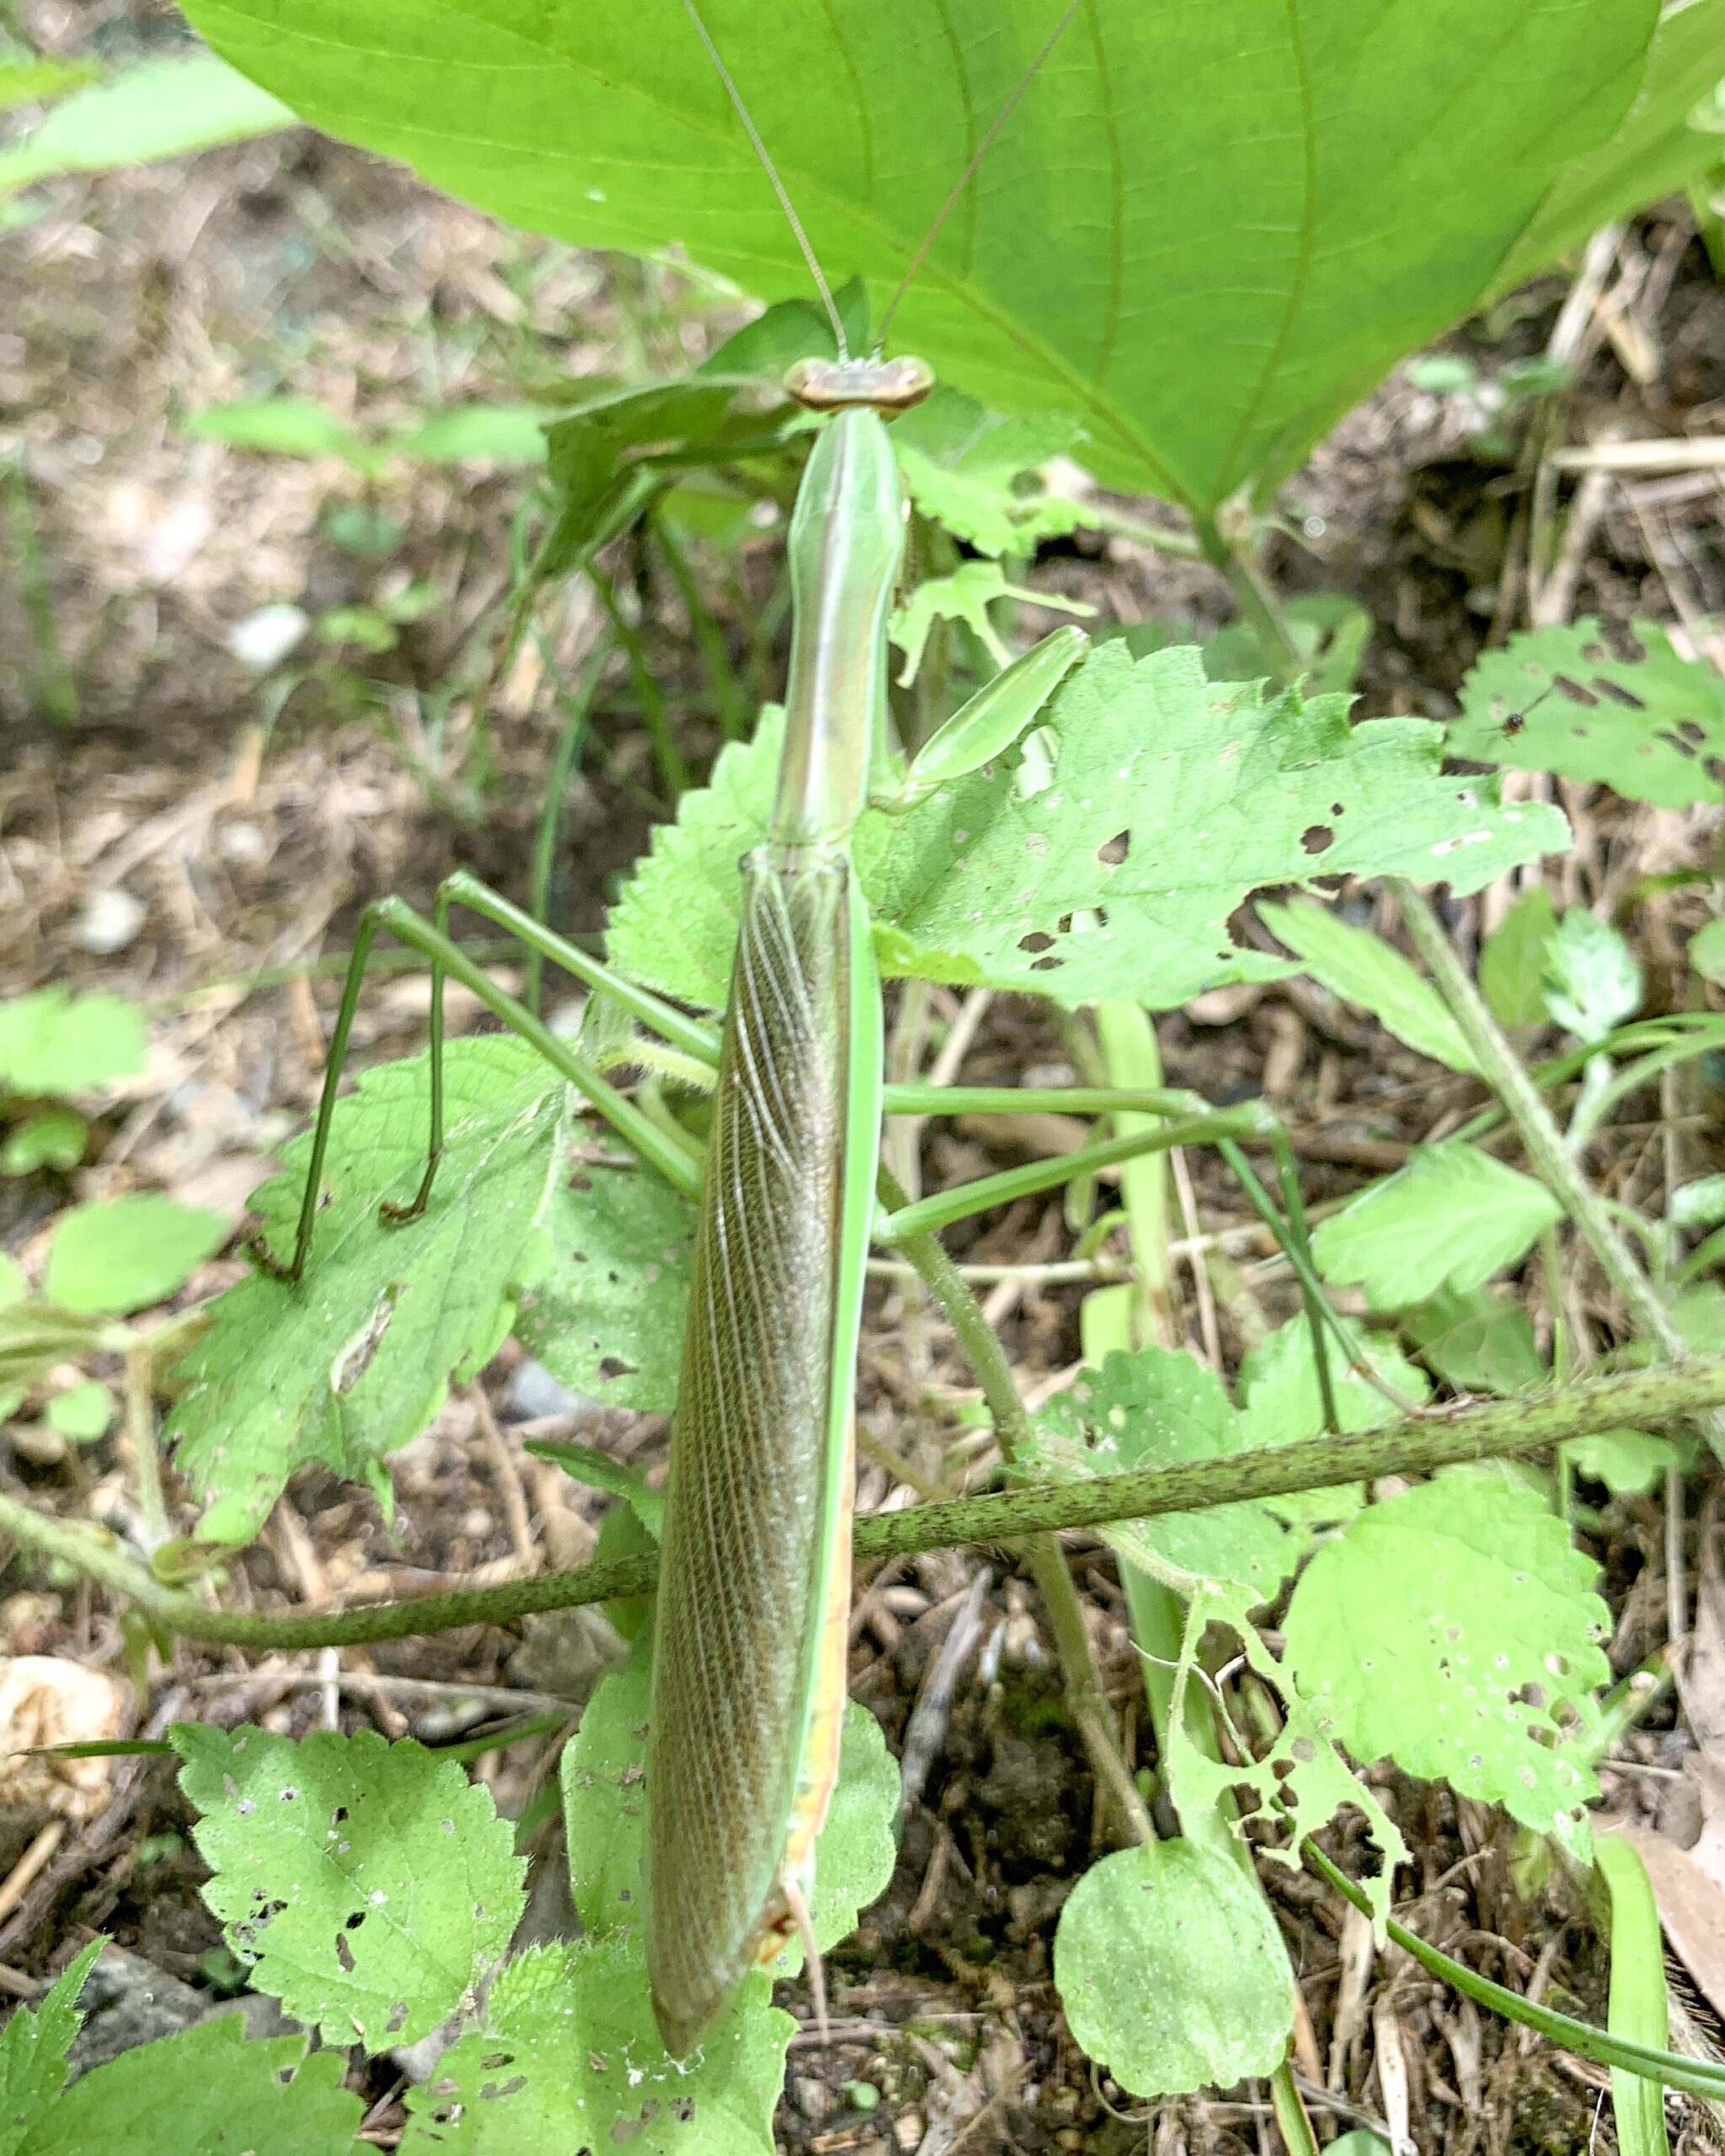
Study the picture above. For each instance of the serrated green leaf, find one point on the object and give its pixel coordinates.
(1593, 981)
(1280, 1402)
(369, 1886)
(33, 2049)
(1300, 1784)
(155, 109)
(568, 2058)
(1390, 169)
(1707, 951)
(1628, 1462)
(52, 1138)
(53, 1042)
(125, 1253)
(1512, 960)
(962, 467)
(1455, 1629)
(1151, 1409)
(603, 1308)
(1450, 1218)
(1172, 1970)
(208, 2088)
(1477, 1343)
(356, 1360)
(1355, 964)
(1170, 798)
(1652, 727)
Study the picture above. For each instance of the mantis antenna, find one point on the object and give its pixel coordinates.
(771, 171)
(946, 208)
(969, 173)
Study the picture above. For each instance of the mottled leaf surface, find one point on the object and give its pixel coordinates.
(1113, 870)
(368, 1885)
(1455, 1630)
(355, 1360)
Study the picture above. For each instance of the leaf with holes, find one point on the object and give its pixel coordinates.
(1113, 871)
(964, 468)
(206, 2088)
(1352, 963)
(1101, 264)
(369, 1887)
(568, 2058)
(1154, 1408)
(1172, 1970)
(603, 1307)
(1651, 726)
(1300, 1783)
(53, 1042)
(1455, 1629)
(356, 1359)
(1450, 1218)
(1281, 1401)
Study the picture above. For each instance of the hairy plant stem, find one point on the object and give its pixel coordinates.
(1558, 1168)
(1510, 1429)
(1085, 1695)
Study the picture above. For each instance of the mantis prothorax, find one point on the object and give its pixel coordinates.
(748, 1684)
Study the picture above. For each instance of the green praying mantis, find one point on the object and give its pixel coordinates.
(749, 1659)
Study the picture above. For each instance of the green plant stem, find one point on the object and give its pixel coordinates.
(1290, 2113)
(1557, 1166)
(1695, 2076)
(1257, 600)
(1503, 1430)
(1085, 1695)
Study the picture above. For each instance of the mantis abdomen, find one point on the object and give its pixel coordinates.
(747, 1672)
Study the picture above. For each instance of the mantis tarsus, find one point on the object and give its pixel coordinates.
(749, 1660)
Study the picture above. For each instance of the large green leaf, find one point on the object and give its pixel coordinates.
(1208, 229)
(369, 1886)
(1653, 150)
(1113, 871)
(1455, 1630)
(355, 1360)
(1651, 726)
(53, 1042)
(1172, 1970)
(1449, 1219)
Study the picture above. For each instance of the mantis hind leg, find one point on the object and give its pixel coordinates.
(447, 960)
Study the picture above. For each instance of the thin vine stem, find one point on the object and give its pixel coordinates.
(1511, 1429)
(1557, 1167)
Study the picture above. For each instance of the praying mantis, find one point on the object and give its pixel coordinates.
(749, 1660)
